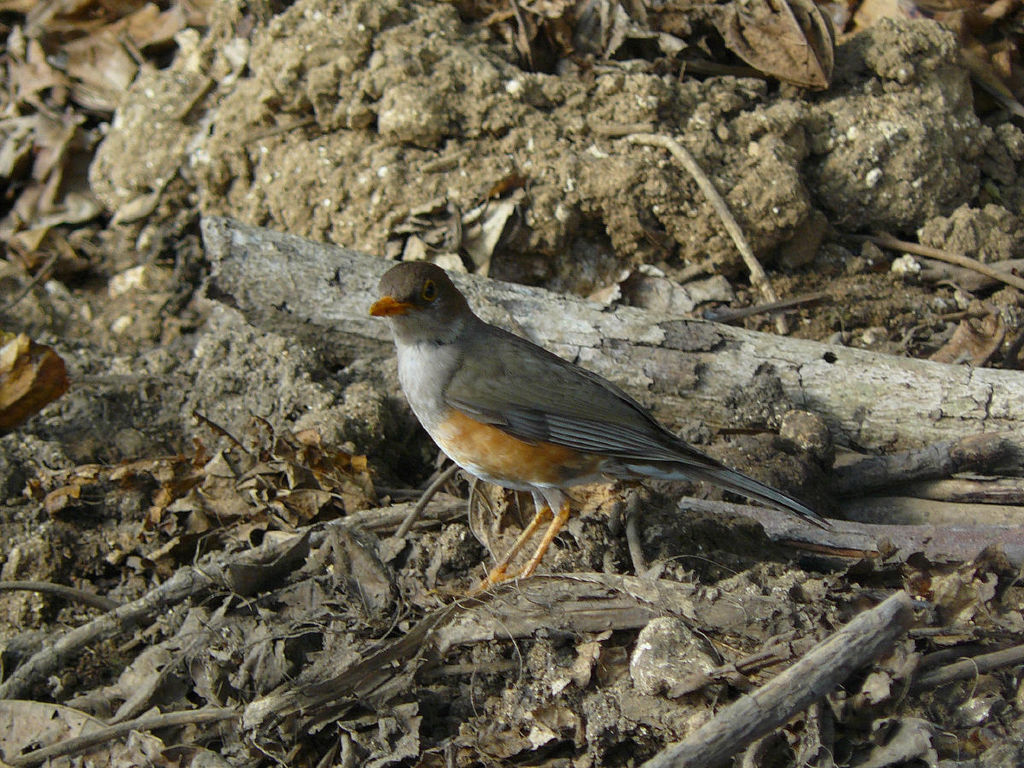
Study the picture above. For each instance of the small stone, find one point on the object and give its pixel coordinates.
(810, 434)
(668, 658)
(412, 114)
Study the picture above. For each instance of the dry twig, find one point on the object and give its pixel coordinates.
(41, 274)
(60, 590)
(733, 314)
(885, 240)
(966, 668)
(428, 494)
(81, 744)
(684, 158)
(636, 551)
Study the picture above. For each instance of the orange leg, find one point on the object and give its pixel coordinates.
(549, 535)
(497, 574)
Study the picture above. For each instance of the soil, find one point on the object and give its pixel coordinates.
(382, 126)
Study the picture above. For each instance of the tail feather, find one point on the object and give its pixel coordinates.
(730, 480)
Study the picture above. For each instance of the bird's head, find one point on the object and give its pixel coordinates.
(421, 303)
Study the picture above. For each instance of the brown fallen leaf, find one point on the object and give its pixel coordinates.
(974, 341)
(34, 74)
(31, 375)
(31, 724)
(985, 73)
(102, 64)
(792, 40)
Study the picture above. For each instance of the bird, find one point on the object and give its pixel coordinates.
(510, 412)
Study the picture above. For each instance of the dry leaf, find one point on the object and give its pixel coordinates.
(974, 341)
(648, 287)
(902, 741)
(482, 229)
(31, 375)
(27, 725)
(791, 40)
(34, 75)
(986, 75)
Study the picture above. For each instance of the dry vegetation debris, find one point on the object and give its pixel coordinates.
(209, 550)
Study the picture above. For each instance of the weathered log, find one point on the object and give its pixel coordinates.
(685, 369)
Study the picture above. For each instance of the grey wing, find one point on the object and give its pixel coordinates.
(536, 396)
(539, 397)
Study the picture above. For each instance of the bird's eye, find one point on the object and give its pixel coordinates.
(429, 292)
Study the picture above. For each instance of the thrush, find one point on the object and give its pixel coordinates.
(512, 413)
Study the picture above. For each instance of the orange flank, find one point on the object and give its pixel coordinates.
(486, 450)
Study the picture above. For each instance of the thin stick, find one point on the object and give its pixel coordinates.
(618, 130)
(885, 240)
(830, 662)
(684, 158)
(636, 550)
(42, 273)
(69, 593)
(80, 744)
(428, 494)
(966, 668)
(731, 315)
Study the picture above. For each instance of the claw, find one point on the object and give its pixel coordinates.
(500, 573)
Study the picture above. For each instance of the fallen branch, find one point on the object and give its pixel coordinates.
(950, 543)
(818, 673)
(977, 490)
(909, 511)
(320, 294)
(986, 454)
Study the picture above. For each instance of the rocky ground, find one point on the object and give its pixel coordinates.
(502, 144)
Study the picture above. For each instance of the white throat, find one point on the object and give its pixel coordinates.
(424, 371)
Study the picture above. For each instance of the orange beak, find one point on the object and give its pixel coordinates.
(388, 306)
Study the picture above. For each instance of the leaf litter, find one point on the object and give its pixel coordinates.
(336, 644)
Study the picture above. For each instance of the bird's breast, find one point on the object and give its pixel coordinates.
(496, 456)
